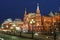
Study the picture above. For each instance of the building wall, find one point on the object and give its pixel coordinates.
(48, 23)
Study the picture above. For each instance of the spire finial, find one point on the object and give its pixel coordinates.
(25, 11)
(37, 6)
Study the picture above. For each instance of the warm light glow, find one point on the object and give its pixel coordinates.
(7, 26)
(36, 34)
(39, 28)
(32, 21)
(18, 28)
(54, 21)
(6, 30)
(44, 20)
(37, 24)
(13, 25)
(52, 32)
(47, 37)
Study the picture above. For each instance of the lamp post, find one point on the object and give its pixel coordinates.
(11, 28)
(54, 27)
(55, 33)
(19, 30)
(32, 22)
(14, 25)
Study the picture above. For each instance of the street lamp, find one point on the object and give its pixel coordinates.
(11, 28)
(7, 26)
(18, 29)
(55, 32)
(36, 34)
(32, 22)
(14, 25)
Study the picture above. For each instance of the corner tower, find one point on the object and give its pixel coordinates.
(38, 10)
(25, 17)
(38, 18)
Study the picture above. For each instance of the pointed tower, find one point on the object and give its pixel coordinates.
(25, 13)
(25, 17)
(38, 10)
(38, 18)
(25, 25)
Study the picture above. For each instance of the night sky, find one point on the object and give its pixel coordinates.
(15, 8)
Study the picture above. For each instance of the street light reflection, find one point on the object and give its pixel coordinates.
(47, 37)
(1, 39)
(36, 34)
(17, 28)
(13, 25)
(13, 37)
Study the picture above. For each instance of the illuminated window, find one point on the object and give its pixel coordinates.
(7, 26)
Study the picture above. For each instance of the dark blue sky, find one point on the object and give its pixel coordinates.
(15, 8)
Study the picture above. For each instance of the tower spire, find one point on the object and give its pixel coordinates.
(37, 6)
(25, 16)
(38, 10)
(25, 12)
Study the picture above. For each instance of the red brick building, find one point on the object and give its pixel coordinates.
(39, 23)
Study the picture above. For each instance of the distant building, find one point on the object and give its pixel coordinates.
(39, 23)
(42, 23)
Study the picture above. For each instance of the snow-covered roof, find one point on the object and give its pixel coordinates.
(31, 14)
